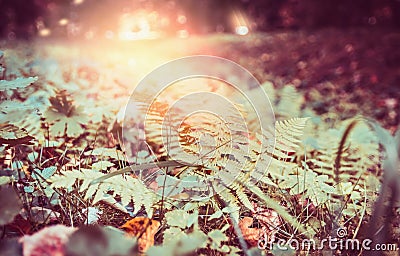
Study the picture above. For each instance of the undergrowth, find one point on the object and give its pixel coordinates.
(61, 153)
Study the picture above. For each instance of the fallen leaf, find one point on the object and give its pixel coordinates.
(251, 235)
(144, 229)
(268, 218)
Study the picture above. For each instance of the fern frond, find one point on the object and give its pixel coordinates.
(288, 135)
(290, 103)
(126, 188)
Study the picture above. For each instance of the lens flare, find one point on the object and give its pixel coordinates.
(242, 30)
(44, 32)
(240, 23)
(63, 22)
(138, 26)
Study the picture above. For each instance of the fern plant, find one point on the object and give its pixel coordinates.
(125, 188)
(359, 156)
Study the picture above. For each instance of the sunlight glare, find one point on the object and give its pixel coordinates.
(240, 23)
(242, 30)
(138, 26)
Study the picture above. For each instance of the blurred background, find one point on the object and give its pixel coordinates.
(139, 19)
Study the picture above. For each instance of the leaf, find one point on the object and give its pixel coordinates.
(106, 152)
(217, 237)
(102, 165)
(46, 173)
(215, 215)
(144, 229)
(65, 116)
(40, 215)
(169, 185)
(193, 218)
(290, 102)
(12, 135)
(251, 235)
(29, 189)
(118, 243)
(113, 203)
(93, 215)
(172, 235)
(224, 249)
(165, 250)
(64, 181)
(58, 128)
(288, 135)
(234, 251)
(230, 209)
(5, 180)
(74, 128)
(20, 82)
(177, 218)
(33, 156)
(191, 242)
(10, 204)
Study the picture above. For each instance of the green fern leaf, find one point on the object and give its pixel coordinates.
(20, 82)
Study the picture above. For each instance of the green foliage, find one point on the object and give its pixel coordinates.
(184, 236)
(95, 240)
(360, 154)
(217, 237)
(290, 103)
(288, 135)
(66, 118)
(176, 242)
(20, 82)
(5, 180)
(313, 186)
(76, 164)
(106, 153)
(180, 219)
(389, 189)
(45, 174)
(126, 188)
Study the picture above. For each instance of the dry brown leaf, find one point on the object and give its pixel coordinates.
(269, 222)
(144, 229)
(251, 235)
(268, 218)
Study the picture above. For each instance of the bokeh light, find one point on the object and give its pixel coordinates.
(242, 30)
(138, 26)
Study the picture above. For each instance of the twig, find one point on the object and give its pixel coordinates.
(170, 163)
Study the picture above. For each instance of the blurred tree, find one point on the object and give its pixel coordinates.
(339, 13)
(18, 17)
